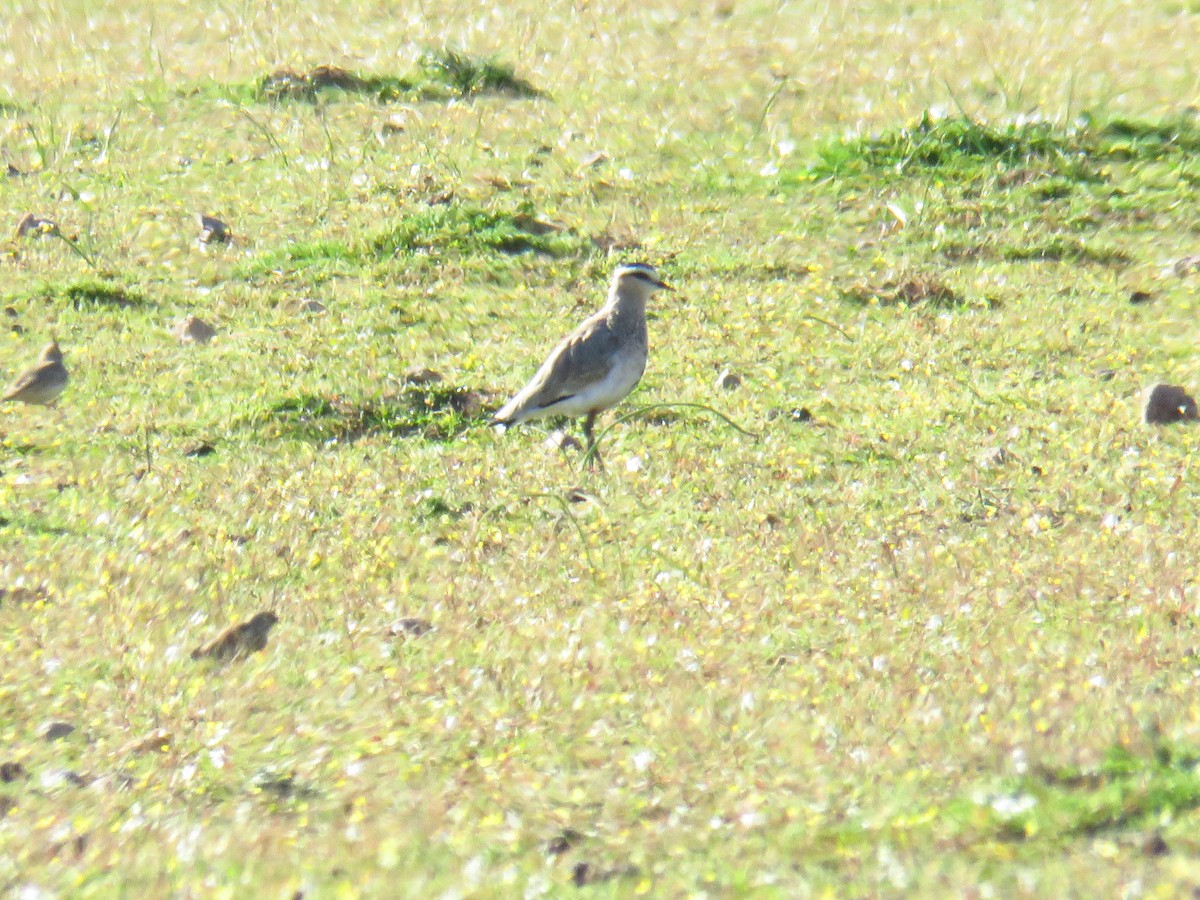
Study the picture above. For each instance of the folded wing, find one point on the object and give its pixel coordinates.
(583, 359)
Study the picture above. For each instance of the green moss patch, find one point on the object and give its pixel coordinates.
(963, 147)
(434, 412)
(439, 75)
(1124, 791)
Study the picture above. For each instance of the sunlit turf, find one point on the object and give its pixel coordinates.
(925, 624)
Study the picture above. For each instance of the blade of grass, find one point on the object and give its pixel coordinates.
(642, 410)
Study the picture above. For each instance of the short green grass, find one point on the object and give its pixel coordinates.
(924, 622)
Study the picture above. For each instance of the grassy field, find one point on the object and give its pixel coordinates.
(930, 629)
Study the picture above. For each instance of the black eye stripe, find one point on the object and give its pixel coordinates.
(646, 274)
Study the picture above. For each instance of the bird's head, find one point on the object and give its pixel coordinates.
(638, 279)
(52, 353)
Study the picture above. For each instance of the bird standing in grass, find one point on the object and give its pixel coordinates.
(42, 383)
(596, 366)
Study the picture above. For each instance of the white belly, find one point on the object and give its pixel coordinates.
(607, 393)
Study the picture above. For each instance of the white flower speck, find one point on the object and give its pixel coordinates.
(1009, 806)
(642, 759)
(751, 819)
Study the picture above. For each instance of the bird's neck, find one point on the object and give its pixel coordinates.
(627, 312)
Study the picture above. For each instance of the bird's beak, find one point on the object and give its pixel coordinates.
(663, 286)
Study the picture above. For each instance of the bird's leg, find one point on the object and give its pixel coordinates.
(589, 431)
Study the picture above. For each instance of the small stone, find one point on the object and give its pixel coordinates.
(200, 451)
(582, 874)
(214, 231)
(13, 172)
(420, 376)
(410, 626)
(992, 457)
(11, 771)
(281, 785)
(592, 160)
(55, 731)
(801, 414)
(560, 440)
(23, 595)
(1166, 404)
(563, 841)
(154, 741)
(468, 403)
(1156, 845)
(55, 778)
(1139, 297)
(1188, 265)
(310, 307)
(728, 381)
(193, 330)
(32, 226)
